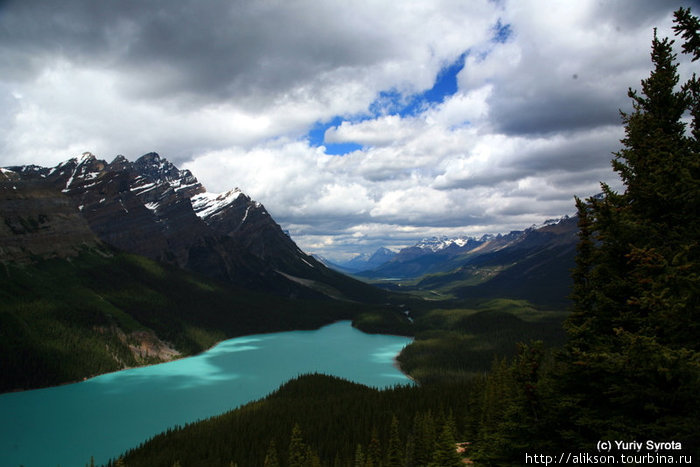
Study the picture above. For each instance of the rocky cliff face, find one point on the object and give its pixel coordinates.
(148, 207)
(36, 221)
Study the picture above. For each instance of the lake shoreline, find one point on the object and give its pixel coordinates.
(397, 365)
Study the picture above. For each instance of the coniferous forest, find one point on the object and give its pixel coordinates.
(628, 368)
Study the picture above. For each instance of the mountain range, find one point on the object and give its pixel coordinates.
(151, 208)
(119, 264)
(531, 264)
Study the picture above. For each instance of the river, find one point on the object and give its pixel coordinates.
(106, 415)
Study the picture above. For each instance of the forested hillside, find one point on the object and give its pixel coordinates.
(62, 320)
(322, 420)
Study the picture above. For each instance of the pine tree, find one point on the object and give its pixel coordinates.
(497, 396)
(634, 334)
(298, 452)
(271, 459)
(445, 454)
(424, 438)
(359, 456)
(688, 27)
(410, 450)
(312, 458)
(373, 458)
(394, 449)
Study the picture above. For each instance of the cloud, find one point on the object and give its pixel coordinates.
(382, 131)
(451, 117)
(568, 69)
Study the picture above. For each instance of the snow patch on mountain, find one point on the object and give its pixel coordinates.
(84, 170)
(435, 244)
(547, 223)
(209, 204)
(151, 206)
(7, 174)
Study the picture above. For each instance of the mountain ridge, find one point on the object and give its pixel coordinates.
(434, 254)
(532, 264)
(150, 207)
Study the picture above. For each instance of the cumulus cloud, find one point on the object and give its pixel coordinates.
(233, 89)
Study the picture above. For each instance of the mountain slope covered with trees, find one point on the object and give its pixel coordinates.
(62, 320)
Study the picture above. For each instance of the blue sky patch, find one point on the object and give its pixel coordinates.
(392, 102)
(340, 149)
(445, 84)
(317, 133)
(316, 136)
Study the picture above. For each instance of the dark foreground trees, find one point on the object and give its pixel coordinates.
(632, 360)
(631, 367)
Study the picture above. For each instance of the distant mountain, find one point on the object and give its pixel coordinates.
(428, 255)
(364, 262)
(535, 266)
(150, 207)
(532, 264)
(435, 244)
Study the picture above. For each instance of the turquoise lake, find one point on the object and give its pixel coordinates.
(106, 415)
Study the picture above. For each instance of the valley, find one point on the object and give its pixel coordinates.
(159, 260)
(96, 254)
(80, 303)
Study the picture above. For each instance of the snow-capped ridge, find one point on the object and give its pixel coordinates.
(86, 157)
(548, 222)
(151, 208)
(208, 204)
(438, 243)
(86, 168)
(435, 244)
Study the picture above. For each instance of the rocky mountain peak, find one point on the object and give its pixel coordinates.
(86, 157)
(435, 244)
(119, 163)
(151, 208)
(154, 168)
(380, 254)
(8, 175)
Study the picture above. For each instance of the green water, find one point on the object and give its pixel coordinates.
(106, 415)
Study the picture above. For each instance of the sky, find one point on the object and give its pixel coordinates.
(358, 124)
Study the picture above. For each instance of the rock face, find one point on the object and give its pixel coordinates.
(36, 221)
(151, 208)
